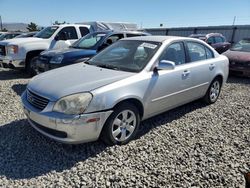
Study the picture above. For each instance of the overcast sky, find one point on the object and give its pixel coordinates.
(146, 13)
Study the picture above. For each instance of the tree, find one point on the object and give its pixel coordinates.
(59, 23)
(32, 27)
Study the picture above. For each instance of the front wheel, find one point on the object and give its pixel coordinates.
(122, 125)
(213, 91)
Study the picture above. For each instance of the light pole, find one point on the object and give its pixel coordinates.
(1, 23)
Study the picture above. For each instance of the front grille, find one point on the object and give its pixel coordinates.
(2, 50)
(36, 100)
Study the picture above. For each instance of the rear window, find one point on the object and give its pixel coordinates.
(198, 52)
(219, 39)
(84, 31)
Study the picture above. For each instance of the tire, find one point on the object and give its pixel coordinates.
(213, 91)
(122, 125)
(28, 66)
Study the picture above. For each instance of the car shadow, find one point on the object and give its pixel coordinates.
(19, 88)
(11, 74)
(25, 153)
(169, 116)
(238, 80)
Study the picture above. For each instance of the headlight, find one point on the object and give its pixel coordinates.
(12, 49)
(73, 104)
(56, 59)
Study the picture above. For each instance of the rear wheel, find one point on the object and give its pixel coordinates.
(213, 91)
(122, 125)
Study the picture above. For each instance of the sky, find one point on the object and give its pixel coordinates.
(145, 13)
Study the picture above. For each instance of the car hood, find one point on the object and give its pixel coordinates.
(72, 79)
(237, 56)
(18, 41)
(68, 52)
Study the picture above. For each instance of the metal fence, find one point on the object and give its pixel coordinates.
(232, 33)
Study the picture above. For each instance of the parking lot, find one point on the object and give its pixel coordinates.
(193, 145)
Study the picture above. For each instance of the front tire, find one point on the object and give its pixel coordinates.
(213, 91)
(122, 125)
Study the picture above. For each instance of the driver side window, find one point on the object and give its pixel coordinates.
(70, 33)
(175, 53)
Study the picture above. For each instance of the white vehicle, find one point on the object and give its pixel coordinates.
(18, 52)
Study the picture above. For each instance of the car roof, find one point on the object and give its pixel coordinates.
(155, 38)
(205, 35)
(117, 32)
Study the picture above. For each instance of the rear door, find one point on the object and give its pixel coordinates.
(201, 67)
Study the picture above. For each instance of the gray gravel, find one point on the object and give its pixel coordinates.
(192, 146)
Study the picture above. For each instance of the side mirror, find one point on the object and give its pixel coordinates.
(165, 65)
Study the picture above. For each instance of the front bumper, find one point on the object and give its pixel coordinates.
(12, 63)
(65, 128)
(40, 66)
(239, 71)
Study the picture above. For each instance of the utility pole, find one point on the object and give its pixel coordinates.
(1, 23)
(234, 20)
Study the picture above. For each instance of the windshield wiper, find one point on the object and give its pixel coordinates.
(107, 66)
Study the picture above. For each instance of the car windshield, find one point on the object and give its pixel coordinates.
(243, 46)
(2, 36)
(46, 32)
(89, 41)
(126, 55)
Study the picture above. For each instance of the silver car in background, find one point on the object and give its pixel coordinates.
(130, 81)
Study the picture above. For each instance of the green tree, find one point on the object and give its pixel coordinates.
(32, 27)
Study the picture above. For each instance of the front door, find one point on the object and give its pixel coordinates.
(169, 87)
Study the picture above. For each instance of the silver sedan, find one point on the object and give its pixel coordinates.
(110, 94)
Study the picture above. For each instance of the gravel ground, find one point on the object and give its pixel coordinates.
(191, 146)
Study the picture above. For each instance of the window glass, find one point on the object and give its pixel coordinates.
(133, 35)
(84, 31)
(127, 55)
(70, 32)
(210, 40)
(89, 41)
(113, 38)
(219, 40)
(196, 51)
(175, 52)
(243, 45)
(209, 53)
(46, 32)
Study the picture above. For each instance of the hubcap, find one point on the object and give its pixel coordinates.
(214, 91)
(124, 125)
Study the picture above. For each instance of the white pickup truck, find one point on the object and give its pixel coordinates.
(18, 53)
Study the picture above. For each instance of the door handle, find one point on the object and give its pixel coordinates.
(185, 73)
(211, 66)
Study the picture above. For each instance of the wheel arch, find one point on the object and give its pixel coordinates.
(136, 102)
(31, 54)
(220, 77)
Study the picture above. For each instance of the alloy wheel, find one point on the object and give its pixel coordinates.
(124, 125)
